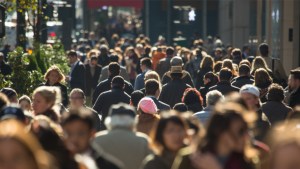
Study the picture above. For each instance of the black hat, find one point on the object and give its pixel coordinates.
(12, 112)
(9, 92)
(122, 109)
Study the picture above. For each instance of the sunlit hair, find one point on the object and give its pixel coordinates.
(25, 98)
(15, 131)
(54, 68)
(245, 62)
(207, 62)
(152, 75)
(227, 63)
(156, 135)
(259, 62)
(191, 96)
(262, 77)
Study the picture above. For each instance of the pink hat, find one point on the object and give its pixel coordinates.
(147, 105)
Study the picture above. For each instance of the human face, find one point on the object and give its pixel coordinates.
(292, 82)
(14, 156)
(76, 100)
(174, 136)
(39, 104)
(286, 157)
(53, 77)
(72, 59)
(239, 135)
(251, 100)
(94, 62)
(25, 105)
(77, 136)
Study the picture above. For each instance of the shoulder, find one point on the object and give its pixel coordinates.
(152, 161)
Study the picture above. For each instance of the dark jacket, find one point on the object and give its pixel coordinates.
(295, 98)
(78, 76)
(196, 107)
(263, 90)
(91, 81)
(200, 75)
(262, 125)
(172, 92)
(103, 60)
(163, 66)
(186, 78)
(106, 85)
(241, 81)
(5, 69)
(276, 111)
(107, 99)
(163, 161)
(159, 104)
(203, 91)
(63, 90)
(224, 87)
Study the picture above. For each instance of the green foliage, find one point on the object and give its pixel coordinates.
(29, 69)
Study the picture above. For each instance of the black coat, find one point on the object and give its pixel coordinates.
(105, 85)
(107, 99)
(276, 111)
(161, 106)
(5, 69)
(241, 81)
(78, 76)
(172, 92)
(224, 87)
(91, 82)
(295, 98)
(200, 75)
(63, 90)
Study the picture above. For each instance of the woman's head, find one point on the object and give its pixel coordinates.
(169, 133)
(25, 103)
(257, 63)
(207, 62)
(192, 96)
(226, 128)
(54, 75)
(210, 79)
(284, 141)
(262, 78)
(44, 98)
(20, 149)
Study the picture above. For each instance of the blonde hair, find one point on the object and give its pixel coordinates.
(14, 130)
(206, 62)
(152, 75)
(259, 62)
(52, 69)
(227, 63)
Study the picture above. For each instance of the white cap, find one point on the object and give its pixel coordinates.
(250, 89)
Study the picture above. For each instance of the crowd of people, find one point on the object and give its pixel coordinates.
(126, 104)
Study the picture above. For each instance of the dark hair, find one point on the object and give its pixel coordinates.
(72, 53)
(170, 51)
(191, 96)
(113, 58)
(236, 53)
(262, 79)
(218, 66)
(147, 62)
(118, 82)
(219, 123)
(114, 69)
(165, 118)
(264, 49)
(225, 74)
(176, 76)
(275, 93)
(295, 73)
(212, 77)
(84, 115)
(151, 86)
(94, 57)
(180, 107)
(147, 50)
(136, 96)
(244, 70)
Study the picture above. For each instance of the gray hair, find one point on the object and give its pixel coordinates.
(213, 97)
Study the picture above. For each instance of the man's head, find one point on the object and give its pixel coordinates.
(213, 97)
(152, 88)
(135, 98)
(121, 116)
(176, 61)
(77, 98)
(104, 49)
(151, 75)
(118, 82)
(264, 49)
(170, 51)
(225, 74)
(244, 70)
(72, 56)
(113, 69)
(294, 79)
(236, 53)
(79, 129)
(11, 94)
(275, 93)
(146, 63)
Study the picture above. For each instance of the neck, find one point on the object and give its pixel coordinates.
(223, 150)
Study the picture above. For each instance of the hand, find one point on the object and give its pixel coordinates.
(204, 161)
